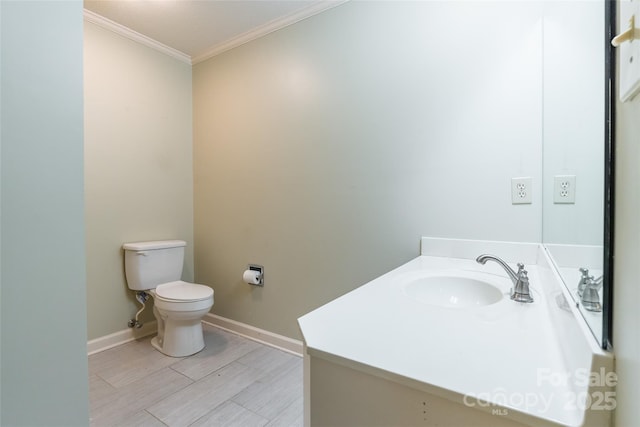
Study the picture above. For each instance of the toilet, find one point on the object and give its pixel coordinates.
(156, 267)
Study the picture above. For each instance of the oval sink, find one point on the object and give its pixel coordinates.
(452, 291)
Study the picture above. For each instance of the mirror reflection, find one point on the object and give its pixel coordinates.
(573, 160)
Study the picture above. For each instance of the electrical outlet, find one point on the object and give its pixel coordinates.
(521, 190)
(564, 189)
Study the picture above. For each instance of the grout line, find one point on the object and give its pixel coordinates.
(156, 418)
(193, 380)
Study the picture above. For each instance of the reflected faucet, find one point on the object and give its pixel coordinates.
(583, 280)
(520, 291)
(589, 296)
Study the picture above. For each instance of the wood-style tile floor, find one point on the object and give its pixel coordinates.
(234, 381)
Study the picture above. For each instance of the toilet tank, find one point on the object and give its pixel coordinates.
(149, 264)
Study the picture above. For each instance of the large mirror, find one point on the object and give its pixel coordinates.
(577, 154)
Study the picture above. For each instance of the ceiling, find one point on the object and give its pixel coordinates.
(195, 30)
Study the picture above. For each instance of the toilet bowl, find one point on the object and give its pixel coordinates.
(155, 267)
(179, 307)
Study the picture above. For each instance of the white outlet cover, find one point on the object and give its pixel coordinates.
(522, 190)
(564, 189)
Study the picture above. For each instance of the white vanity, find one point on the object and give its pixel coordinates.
(402, 350)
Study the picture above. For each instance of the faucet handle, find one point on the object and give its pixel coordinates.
(584, 280)
(520, 291)
(522, 273)
(590, 298)
(594, 283)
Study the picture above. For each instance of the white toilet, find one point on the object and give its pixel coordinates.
(156, 267)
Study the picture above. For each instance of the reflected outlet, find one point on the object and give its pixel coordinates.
(564, 189)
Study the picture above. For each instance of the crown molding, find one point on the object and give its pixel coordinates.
(267, 28)
(119, 29)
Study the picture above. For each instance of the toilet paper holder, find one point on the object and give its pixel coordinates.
(260, 270)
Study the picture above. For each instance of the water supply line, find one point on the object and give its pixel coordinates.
(142, 298)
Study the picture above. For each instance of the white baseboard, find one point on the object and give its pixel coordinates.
(256, 334)
(121, 337)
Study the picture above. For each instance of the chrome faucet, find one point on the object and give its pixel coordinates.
(590, 298)
(588, 288)
(584, 279)
(520, 291)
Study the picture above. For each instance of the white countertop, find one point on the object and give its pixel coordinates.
(502, 351)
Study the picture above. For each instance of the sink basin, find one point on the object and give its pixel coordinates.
(453, 291)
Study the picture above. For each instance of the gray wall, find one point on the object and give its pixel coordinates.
(138, 166)
(325, 150)
(43, 308)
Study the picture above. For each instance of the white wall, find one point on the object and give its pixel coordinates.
(325, 150)
(138, 165)
(626, 291)
(43, 311)
(573, 119)
(342, 114)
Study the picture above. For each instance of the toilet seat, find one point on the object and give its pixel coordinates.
(180, 291)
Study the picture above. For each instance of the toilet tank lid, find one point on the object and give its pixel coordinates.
(157, 244)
